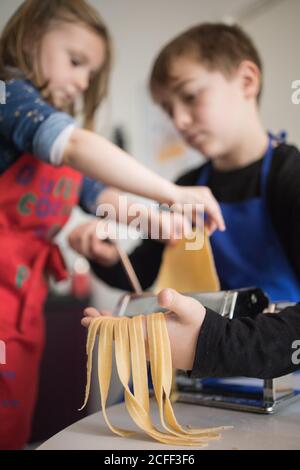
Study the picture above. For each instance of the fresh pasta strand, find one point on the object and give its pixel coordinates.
(139, 374)
(127, 333)
(162, 379)
(188, 271)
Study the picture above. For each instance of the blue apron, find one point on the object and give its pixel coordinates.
(249, 252)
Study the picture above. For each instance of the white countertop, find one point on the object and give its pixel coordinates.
(251, 431)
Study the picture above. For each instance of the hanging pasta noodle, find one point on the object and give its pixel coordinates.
(187, 271)
(127, 333)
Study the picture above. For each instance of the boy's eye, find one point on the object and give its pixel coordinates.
(189, 98)
(75, 62)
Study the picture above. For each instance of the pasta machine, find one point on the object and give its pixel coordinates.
(243, 394)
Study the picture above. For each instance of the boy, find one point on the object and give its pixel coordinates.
(209, 81)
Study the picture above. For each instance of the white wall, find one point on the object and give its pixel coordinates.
(277, 35)
(140, 28)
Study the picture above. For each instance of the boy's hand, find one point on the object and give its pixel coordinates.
(184, 321)
(90, 313)
(202, 195)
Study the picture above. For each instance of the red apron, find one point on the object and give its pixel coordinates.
(36, 200)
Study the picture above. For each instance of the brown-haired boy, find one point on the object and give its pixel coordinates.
(209, 81)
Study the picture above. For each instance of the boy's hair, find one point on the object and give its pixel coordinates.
(26, 28)
(215, 45)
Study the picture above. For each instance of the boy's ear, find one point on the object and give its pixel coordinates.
(250, 77)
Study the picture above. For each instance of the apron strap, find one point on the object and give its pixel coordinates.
(204, 175)
(267, 162)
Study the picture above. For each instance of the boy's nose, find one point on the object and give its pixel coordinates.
(181, 119)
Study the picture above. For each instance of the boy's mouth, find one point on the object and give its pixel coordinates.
(195, 139)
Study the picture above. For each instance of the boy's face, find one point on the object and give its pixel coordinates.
(69, 55)
(206, 107)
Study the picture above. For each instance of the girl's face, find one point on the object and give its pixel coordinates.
(206, 107)
(69, 55)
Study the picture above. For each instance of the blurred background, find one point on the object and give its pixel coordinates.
(139, 29)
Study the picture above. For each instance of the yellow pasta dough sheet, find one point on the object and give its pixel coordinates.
(188, 270)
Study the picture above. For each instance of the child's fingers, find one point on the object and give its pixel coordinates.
(99, 247)
(210, 226)
(86, 241)
(203, 195)
(179, 226)
(93, 312)
(212, 207)
(165, 298)
(103, 252)
(214, 212)
(183, 306)
(90, 313)
(86, 321)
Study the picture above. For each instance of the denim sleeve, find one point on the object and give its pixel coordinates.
(90, 191)
(28, 123)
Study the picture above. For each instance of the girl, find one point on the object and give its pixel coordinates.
(53, 54)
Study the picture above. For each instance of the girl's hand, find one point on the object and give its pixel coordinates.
(168, 227)
(202, 195)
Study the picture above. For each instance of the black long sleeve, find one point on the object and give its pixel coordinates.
(260, 347)
(284, 200)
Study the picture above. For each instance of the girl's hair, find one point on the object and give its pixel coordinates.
(25, 29)
(215, 45)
